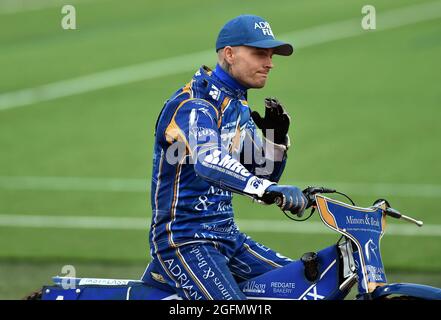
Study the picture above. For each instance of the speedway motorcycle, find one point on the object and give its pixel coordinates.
(327, 274)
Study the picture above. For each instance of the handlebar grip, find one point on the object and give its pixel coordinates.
(278, 201)
(309, 193)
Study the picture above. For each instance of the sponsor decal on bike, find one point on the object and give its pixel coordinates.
(367, 221)
(103, 282)
(375, 274)
(254, 287)
(370, 249)
(283, 287)
(313, 295)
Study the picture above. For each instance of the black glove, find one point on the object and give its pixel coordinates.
(276, 118)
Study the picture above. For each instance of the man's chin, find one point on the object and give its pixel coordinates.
(257, 84)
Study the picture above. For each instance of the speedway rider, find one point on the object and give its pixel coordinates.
(206, 148)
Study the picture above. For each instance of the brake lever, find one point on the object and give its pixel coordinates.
(311, 191)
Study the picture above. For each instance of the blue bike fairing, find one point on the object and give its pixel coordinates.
(202, 129)
(131, 291)
(290, 282)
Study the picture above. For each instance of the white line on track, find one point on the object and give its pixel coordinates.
(258, 226)
(155, 69)
(414, 190)
(74, 184)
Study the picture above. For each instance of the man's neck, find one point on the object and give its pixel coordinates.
(228, 79)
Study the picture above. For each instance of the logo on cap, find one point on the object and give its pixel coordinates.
(264, 27)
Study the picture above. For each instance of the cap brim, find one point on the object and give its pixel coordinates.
(280, 47)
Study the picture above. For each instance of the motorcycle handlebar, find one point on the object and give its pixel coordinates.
(388, 210)
(309, 193)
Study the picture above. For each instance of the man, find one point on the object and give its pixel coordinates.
(206, 148)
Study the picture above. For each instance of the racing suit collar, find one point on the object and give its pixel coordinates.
(230, 82)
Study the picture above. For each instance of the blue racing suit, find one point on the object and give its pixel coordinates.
(207, 148)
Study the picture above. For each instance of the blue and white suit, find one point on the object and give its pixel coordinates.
(207, 148)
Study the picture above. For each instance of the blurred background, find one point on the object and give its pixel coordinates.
(78, 109)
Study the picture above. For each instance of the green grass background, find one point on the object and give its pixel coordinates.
(365, 110)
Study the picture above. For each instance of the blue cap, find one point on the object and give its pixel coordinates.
(253, 31)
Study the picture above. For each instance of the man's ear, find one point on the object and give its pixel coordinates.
(229, 54)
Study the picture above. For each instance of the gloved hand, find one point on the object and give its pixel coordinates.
(292, 197)
(275, 118)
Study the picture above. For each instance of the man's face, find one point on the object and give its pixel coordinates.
(249, 65)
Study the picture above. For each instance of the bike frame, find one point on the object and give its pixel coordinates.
(355, 258)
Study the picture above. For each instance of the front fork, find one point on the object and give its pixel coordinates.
(348, 274)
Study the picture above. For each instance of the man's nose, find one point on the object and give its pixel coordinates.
(269, 63)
